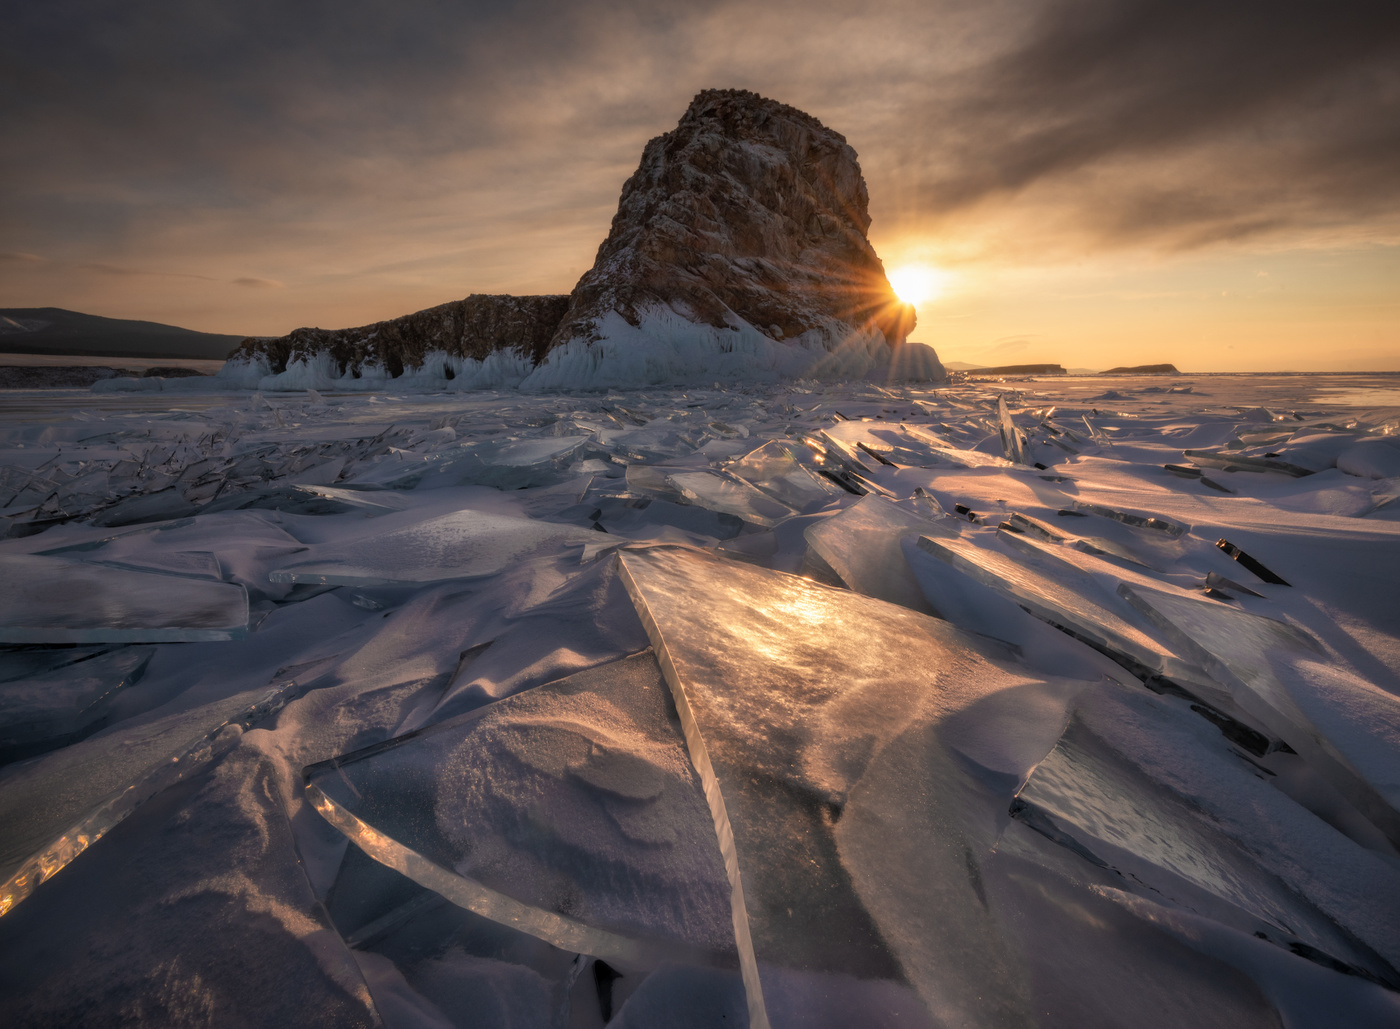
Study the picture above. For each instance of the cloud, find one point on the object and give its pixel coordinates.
(258, 283)
(410, 153)
(21, 258)
(1182, 123)
(136, 273)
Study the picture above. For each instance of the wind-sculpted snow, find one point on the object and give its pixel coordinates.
(800, 704)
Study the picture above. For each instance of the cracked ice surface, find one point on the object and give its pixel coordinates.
(792, 705)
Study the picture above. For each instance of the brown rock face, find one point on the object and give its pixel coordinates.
(751, 207)
(475, 327)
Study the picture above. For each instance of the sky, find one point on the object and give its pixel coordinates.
(1088, 182)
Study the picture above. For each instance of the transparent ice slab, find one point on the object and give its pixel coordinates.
(1057, 592)
(862, 545)
(1098, 803)
(55, 702)
(461, 545)
(818, 720)
(1013, 440)
(54, 807)
(570, 812)
(49, 600)
(907, 444)
(1347, 728)
(729, 496)
(775, 470)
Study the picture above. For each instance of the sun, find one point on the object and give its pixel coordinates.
(918, 283)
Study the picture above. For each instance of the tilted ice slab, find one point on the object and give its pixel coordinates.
(728, 496)
(1138, 785)
(1052, 588)
(48, 600)
(775, 470)
(862, 545)
(60, 693)
(1348, 729)
(833, 733)
(55, 807)
(462, 545)
(907, 444)
(569, 812)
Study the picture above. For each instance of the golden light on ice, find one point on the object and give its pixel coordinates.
(918, 283)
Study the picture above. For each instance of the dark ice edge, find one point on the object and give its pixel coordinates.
(1253, 564)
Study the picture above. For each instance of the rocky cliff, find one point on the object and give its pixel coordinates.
(738, 250)
(750, 209)
(472, 329)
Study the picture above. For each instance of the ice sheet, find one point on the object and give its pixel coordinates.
(463, 545)
(1184, 784)
(49, 600)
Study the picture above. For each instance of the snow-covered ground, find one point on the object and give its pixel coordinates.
(1061, 702)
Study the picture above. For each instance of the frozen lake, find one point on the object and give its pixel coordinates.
(1001, 703)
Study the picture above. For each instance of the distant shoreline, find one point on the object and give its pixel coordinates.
(136, 364)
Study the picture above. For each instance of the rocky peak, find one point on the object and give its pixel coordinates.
(738, 251)
(748, 208)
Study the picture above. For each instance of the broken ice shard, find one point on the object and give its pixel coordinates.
(900, 444)
(862, 545)
(1013, 442)
(569, 812)
(1254, 565)
(729, 496)
(1099, 803)
(822, 725)
(461, 545)
(1281, 676)
(1217, 581)
(46, 706)
(1172, 529)
(54, 807)
(775, 469)
(1054, 590)
(1230, 461)
(48, 600)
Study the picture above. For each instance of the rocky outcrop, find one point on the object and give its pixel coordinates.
(1144, 369)
(738, 250)
(748, 209)
(473, 328)
(1019, 369)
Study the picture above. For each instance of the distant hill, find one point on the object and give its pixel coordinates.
(52, 330)
(1143, 369)
(1019, 369)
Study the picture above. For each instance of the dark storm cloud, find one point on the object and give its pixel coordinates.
(145, 134)
(1190, 120)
